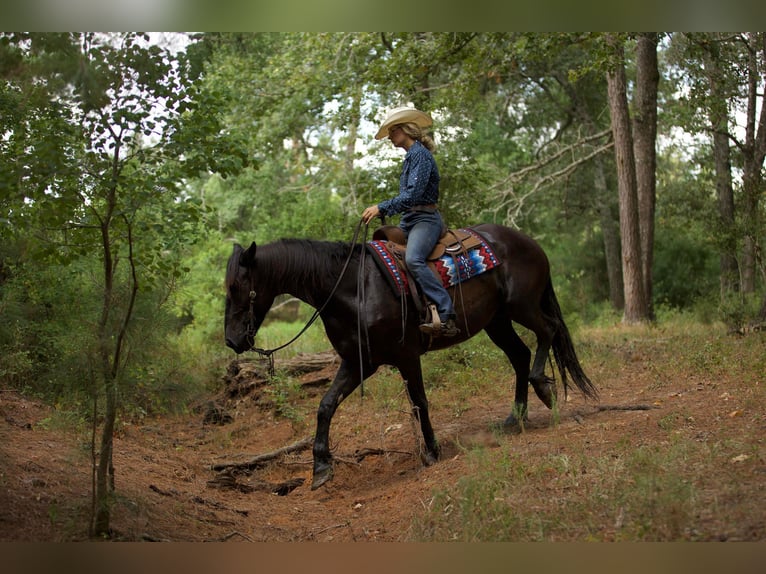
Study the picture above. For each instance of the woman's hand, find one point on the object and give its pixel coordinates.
(370, 213)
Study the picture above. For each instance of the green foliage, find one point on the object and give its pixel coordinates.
(466, 364)
(127, 128)
(173, 156)
(579, 271)
(737, 310)
(50, 348)
(275, 333)
(285, 392)
(686, 270)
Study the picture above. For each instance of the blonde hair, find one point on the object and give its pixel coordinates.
(414, 131)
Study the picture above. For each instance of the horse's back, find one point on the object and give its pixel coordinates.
(524, 265)
(512, 245)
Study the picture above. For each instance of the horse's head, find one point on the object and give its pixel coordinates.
(247, 302)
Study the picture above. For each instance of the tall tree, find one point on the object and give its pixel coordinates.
(636, 307)
(718, 114)
(588, 97)
(724, 73)
(645, 153)
(753, 150)
(128, 130)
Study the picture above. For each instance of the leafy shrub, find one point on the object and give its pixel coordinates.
(685, 269)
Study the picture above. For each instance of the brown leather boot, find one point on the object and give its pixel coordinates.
(448, 329)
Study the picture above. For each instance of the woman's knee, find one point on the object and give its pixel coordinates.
(414, 260)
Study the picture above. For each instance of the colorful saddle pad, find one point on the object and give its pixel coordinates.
(450, 268)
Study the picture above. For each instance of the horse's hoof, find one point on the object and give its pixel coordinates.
(546, 392)
(321, 476)
(512, 423)
(428, 459)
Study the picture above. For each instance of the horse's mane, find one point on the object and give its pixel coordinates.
(308, 262)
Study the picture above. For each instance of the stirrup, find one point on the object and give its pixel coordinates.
(433, 322)
(436, 328)
(448, 329)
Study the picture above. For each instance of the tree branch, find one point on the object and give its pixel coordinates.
(261, 459)
(513, 203)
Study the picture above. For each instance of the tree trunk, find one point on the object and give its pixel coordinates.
(105, 470)
(727, 255)
(604, 199)
(754, 151)
(101, 519)
(635, 299)
(645, 154)
(110, 349)
(611, 230)
(719, 122)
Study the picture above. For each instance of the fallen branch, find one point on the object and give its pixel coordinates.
(227, 481)
(600, 408)
(261, 459)
(246, 377)
(360, 455)
(217, 505)
(196, 499)
(331, 527)
(158, 490)
(146, 537)
(233, 534)
(578, 416)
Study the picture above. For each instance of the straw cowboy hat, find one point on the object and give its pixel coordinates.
(403, 115)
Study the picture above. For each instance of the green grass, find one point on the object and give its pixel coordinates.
(274, 334)
(675, 479)
(634, 495)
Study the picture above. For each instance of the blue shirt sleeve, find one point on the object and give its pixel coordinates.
(418, 183)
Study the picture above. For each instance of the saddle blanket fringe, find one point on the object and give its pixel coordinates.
(451, 269)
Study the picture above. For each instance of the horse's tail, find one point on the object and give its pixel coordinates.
(563, 348)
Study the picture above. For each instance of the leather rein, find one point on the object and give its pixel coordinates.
(251, 328)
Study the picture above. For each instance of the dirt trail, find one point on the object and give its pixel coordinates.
(167, 491)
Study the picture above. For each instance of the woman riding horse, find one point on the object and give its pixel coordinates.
(421, 221)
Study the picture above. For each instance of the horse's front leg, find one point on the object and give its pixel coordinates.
(346, 380)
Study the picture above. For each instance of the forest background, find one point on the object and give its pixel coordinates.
(130, 164)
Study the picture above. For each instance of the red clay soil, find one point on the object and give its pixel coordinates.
(167, 491)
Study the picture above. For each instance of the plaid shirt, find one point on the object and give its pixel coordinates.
(418, 184)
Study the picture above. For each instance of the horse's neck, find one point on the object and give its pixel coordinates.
(291, 271)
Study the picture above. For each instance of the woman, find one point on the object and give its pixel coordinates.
(421, 221)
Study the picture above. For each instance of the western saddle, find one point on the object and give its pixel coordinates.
(452, 242)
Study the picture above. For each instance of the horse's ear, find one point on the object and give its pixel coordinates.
(247, 258)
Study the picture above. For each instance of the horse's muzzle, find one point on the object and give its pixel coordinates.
(239, 347)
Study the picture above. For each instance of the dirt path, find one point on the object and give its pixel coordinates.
(163, 466)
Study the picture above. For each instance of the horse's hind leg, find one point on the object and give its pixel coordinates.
(413, 376)
(544, 386)
(502, 334)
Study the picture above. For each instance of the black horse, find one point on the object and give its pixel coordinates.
(326, 275)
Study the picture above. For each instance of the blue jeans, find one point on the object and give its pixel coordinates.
(423, 231)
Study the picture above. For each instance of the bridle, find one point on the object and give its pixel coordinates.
(251, 328)
(250, 332)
